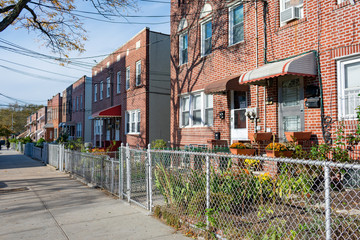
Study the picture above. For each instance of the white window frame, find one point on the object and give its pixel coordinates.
(132, 121)
(101, 90)
(118, 82)
(191, 117)
(341, 64)
(181, 48)
(138, 73)
(95, 92)
(127, 77)
(207, 108)
(108, 87)
(282, 8)
(203, 24)
(231, 23)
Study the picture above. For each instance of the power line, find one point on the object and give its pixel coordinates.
(64, 75)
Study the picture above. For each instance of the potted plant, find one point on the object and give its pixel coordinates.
(277, 150)
(296, 136)
(264, 136)
(242, 149)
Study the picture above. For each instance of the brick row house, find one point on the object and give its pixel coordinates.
(131, 92)
(54, 116)
(264, 67)
(81, 108)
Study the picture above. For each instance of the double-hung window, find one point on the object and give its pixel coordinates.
(78, 130)
(108, 84)
(209, 119)
(196, 109)
(206, 35)
(127, 78)
(81, 102)
(118, 82)
(138, 73)
(236, 24)
(77, 103)
(133, 121)
(348, 87)
(95, 92)
(101, 90)
(183, 48)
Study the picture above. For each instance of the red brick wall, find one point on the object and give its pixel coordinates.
(336, 28)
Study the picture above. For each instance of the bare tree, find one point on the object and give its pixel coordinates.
(56, 21)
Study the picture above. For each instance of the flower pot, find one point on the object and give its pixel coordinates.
(271, 153)
(237, 151)
(265, 136)
(291, 136)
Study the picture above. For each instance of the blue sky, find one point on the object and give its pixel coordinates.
(103, 38)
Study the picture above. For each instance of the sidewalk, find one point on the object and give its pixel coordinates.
(37, 202)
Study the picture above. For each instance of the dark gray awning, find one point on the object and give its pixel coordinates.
(304, 65)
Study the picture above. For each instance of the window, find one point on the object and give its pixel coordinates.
(183, 48)
(286, 4)
(78, 130)
(95, 92)
(108, 87)
(185, 107)
(133, 121)
(138, 44)
(209, 120)
(206, 34)
(348, 87)
(236, 24)
(127, 78)
(118, 82)
(77, 103)
(196, 110)
(81, 102)
(138, 73)
(74, 105)
(98, 127)
(101, 90)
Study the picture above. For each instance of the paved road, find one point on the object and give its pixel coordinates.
(37, 202)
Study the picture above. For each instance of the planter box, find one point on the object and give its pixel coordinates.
(265, 136)
(291, 136)
(237, 151)
(271, 153)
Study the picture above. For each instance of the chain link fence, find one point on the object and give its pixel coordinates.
(229, 196)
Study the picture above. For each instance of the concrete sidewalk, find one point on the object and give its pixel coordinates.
(37, 202)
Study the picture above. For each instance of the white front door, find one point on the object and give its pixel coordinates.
(238, 119)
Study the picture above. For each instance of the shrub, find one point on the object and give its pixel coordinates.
(158, 144)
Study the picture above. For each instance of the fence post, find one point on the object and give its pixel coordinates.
(149, 184)
(112, 176)
(207, 189)
(327, 203)
(128, 172)
(59, 158)
(121, 172)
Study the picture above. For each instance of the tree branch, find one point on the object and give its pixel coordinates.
(38, 23)
(7, 8)
(11, 17)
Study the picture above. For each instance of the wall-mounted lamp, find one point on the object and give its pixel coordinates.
(269, 82)
(269, 101)
(251, 113)
(222, 115)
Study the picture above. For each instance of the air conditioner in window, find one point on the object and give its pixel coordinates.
(289, 14)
